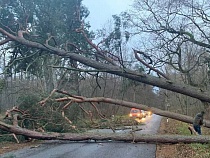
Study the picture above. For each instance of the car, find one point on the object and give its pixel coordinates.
(144, 113)
(149, 113)
(136, 113)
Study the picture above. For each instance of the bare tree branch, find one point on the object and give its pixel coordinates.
(144, 78)
(5, 41)
(147, 65)
(81, 99)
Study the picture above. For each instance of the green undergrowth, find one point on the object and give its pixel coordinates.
(182, 129)
(200, 150)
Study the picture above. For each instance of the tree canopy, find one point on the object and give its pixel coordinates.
(30, 29)
(51, 40)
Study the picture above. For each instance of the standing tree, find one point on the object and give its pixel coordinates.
(49, 22)
(30, 27)
(173, 35)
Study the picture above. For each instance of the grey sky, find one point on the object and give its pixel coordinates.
(102, 10)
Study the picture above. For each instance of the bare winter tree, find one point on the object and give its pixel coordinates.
(178, 37)
(173, 34)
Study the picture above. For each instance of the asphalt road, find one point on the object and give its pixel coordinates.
(66, 149)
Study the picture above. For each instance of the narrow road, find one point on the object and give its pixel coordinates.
(66, 149)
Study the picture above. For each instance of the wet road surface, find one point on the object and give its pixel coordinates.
(66, 149)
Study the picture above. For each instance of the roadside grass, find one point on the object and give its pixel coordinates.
(200, 150)
(182, 128)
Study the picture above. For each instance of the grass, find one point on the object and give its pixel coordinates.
(200, 150)
(182, 128)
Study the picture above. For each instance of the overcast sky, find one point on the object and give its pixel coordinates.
(102, 10)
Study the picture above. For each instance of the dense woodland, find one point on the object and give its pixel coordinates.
(156, 54)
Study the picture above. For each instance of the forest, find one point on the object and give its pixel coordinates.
(59, 76)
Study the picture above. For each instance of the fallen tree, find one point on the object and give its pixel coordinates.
(106, 137)
(81, 99)
(110, 66)
(132, 137)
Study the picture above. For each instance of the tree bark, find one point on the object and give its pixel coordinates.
(132, 137)
(180, 117)
(144, 78)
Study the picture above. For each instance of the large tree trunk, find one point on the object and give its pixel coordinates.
(131, 137)
(144, 78)
(180, 117)
(48, 75)
(96, 136)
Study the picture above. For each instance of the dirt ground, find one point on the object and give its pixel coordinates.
(172, 150)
